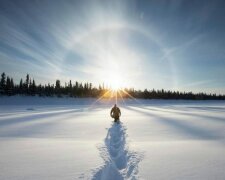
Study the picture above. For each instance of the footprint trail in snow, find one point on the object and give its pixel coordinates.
(120, 162)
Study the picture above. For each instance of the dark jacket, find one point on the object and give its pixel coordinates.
(115, 113)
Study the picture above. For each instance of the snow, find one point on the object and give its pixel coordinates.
(120, 163)
(67, 138)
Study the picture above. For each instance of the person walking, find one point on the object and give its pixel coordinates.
(115, 113)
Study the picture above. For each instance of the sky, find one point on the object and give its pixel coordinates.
(169, 44)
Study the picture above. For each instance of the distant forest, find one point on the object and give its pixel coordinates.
(28, 87)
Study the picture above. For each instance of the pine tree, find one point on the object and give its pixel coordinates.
(90, 86)
(3, 84)
(39, 90)
(27, 84)
(21, 86)
(57, 84)
(70, 89)
(30, 87)
(57, 88)
(8, 86)
(33, 88)
(12, 86)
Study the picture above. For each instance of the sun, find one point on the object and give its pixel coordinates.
(114, 81)
(113, 74)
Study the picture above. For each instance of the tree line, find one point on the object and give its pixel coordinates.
(28, 87)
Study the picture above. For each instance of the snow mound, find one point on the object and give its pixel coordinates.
(120, 163)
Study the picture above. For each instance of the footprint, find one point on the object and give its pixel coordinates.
(120, 163)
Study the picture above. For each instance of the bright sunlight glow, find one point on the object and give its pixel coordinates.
(115, 81)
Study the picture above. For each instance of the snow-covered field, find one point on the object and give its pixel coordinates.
(63, 138)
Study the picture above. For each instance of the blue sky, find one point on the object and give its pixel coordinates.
(176, 45)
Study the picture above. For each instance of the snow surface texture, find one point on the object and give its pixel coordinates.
(67, 139)
(120, 163)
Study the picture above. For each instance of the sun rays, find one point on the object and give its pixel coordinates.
(111, 96)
